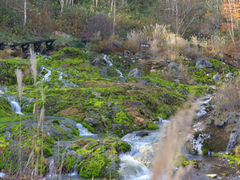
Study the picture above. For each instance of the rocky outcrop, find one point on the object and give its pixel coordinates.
(134, 73)
(203, 64)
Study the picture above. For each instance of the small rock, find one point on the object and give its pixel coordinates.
(228, 75)
(219, 124)
(177, 80)
(168, 61)
(173, 66)
(142, 133)
(203, 64)
(216, 78)
(211, 175)
(127, 53)
(91, 122)
(134, 73)
(96, 61)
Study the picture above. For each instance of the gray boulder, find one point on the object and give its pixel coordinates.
(232, 140)
(142, 133)
(228, 75)
(203, 64)
(216, 78)
(134, 73)
(173, 66)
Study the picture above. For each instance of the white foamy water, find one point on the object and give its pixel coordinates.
(107, 60)
(2, 175)
(134, 164)
(46, 76)
(60, 75)
(15, 105)
(198, 143)
(131, 169)
(120, 73)
(3, 89)
(83, 131)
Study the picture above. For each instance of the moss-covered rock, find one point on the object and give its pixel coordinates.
(100, 157)
(8, 68)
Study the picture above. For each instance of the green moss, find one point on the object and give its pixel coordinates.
(7, 71)
(122, 118)
(93, 166)
(91, 129)
(152, 126)
(75, 132)
(69, 163)
(47, 150)
(123, 147)
(205, 151)
(56, 121)
(180, 160)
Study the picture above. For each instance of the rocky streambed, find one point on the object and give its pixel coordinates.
(103, 115)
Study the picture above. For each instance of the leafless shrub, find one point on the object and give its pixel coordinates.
(108, 46)
(182, 74)
(228, 97)
(99, 26)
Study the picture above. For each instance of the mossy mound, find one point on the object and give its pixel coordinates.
(10, 148)
(8, 68)
(6, 112)
(205, 75)
(99, 157)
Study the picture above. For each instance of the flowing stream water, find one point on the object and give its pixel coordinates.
(46, 76)
(134, 165)
(15, 105)
(108, 60)
(84, 131)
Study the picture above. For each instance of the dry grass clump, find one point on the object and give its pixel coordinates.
(136, 37)
(228, 97)
(108, 46)
(160, 39)
(237, 151)
(172, 75)
(213, 46)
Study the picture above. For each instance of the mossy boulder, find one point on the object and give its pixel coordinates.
(8, 68)
(100, 157)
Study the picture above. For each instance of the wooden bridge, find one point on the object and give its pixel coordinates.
(25, 46)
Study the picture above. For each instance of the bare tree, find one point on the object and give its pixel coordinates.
(25, 13)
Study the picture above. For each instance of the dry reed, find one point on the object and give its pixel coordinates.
(176, 133)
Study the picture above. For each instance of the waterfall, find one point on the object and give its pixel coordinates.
(15, 105)
(52, 170)
(46, 76)
(119, 72)
(2, 175)
(198, 143)
(131, 169)
(107, 60)
(74, 173)
(83, 131)
(132, 164)
(60, 75)
(3, 90)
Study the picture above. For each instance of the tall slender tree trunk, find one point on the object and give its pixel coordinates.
(114, 17)
(25, 13)
(62, 5)
(231, 30)
(111, 9)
